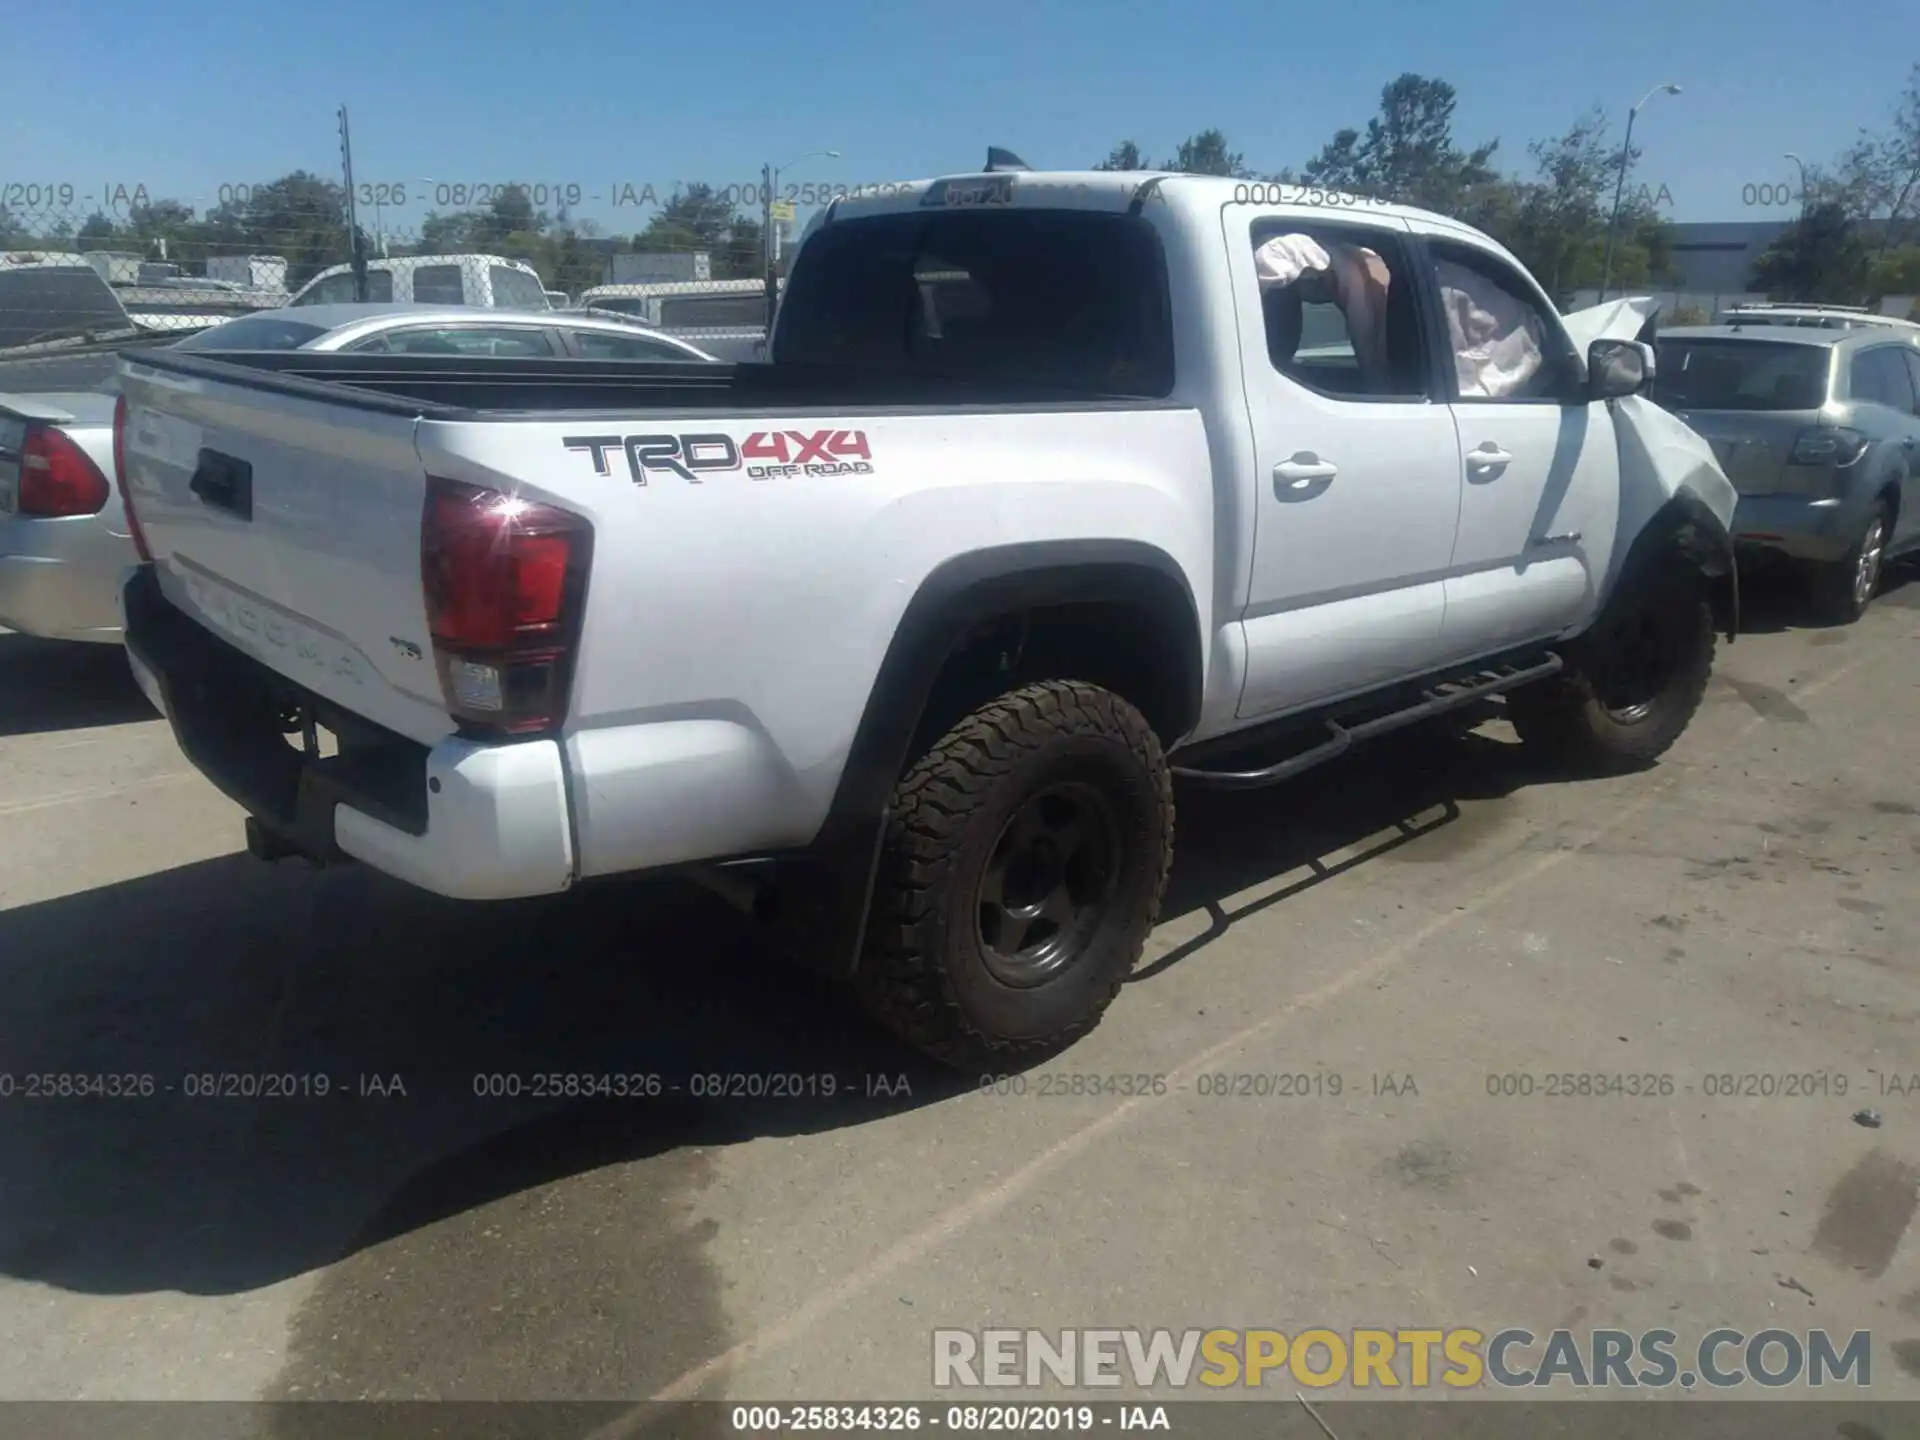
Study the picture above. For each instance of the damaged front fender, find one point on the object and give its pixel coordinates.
(1672, 489)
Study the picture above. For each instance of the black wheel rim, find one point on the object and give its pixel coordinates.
(1645, 654)
(1048, 884)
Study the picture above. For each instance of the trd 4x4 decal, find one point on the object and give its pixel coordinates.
(776, 454)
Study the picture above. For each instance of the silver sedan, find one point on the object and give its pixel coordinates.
(63, 536)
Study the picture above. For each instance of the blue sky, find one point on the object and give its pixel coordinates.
(186, 97)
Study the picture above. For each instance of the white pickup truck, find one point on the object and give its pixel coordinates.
(1039, 503)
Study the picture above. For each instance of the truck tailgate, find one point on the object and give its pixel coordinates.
(291, 527)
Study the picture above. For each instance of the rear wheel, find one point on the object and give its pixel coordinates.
(1844, 590)
(1020, 874)
(1631, 686)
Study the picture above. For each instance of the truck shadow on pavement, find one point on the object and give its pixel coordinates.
(475, 1243)
(48, 685)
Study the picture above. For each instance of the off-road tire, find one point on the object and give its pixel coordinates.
(1835, 587)
(1568, 722)
(925, 969)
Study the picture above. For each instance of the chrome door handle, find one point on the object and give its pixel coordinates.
(1303, 469)
(1488, 454)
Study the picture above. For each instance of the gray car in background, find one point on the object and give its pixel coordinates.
(63, 536)
(1819, 430)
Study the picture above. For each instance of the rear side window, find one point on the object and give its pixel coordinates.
(1740, 375)
(1881, 376)
(599, 345)
(438, 285)
(518, 342)
(517, 290)
(254, 332)
(1912, 358)
(1070, 299)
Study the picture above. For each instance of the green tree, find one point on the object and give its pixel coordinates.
(98, 232)
(1205, 154)
(1124, 156)
(697, 219)
(1819, 258)
(299, 216)
(1896, 272)
(1556, 223)
(1407, 152)
(1878, 176)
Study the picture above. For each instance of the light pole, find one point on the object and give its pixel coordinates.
(1803, 180)
(1626, 159)
(769, 182)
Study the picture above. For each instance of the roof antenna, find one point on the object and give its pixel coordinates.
(998, 159)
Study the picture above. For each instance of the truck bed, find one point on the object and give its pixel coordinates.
(485, 387)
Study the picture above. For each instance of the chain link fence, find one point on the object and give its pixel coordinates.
(88, 268)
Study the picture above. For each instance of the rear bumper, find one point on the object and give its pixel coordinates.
(470, 821)
(57, 577)
(1800, 528)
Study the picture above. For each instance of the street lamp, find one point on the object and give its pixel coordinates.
(769, 183)
(1626, 158)
(1803, 179)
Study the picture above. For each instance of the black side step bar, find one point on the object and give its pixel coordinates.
(1448, 695)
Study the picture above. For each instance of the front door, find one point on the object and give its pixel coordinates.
(1357, 468)
(1539, 465)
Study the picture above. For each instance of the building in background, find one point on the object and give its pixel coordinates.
(1718, 256)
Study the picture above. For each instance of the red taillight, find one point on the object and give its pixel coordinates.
(57, 478)
(120, 479)
(505, 581)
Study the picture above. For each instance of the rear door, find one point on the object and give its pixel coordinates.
(1356, 468)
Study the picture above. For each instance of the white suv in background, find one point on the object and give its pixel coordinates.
(491, 281)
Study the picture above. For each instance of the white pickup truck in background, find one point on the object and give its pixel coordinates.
(1039, 503)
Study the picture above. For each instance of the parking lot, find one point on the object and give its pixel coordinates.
(1429, 923)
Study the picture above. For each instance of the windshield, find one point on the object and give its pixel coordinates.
(1071, 299)
(1740, 375)
(254, 332)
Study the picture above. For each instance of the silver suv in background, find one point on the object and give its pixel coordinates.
(1819, 429)
(1818, 317)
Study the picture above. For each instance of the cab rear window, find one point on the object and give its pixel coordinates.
(1073, 300)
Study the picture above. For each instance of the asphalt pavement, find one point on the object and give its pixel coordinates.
(1416, 937)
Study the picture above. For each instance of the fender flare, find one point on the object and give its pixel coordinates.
(969, 589)
(1684, 523)
(954, 599)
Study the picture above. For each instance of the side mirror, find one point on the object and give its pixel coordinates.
(1618, 367)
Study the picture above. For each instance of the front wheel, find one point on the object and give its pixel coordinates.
(1631, 686)
(1021, 871)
